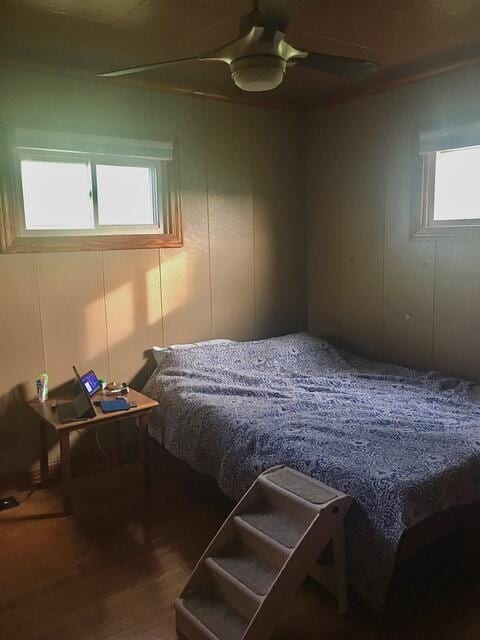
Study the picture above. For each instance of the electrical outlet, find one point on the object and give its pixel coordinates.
(8, 503)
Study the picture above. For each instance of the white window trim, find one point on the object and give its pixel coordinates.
(35, 144)
(429, 142)
(85, 143)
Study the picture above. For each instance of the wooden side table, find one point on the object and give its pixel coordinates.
(49, 418)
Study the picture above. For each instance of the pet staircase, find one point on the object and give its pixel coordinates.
(260, 556)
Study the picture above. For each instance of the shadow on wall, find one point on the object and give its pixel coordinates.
(19, 431)
(133, 315)
(346, 345)
(139, 380)
(13, 415)
(137, 323)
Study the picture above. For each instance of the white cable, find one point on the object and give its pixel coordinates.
(99, 445)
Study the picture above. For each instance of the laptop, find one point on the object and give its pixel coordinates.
(81, 407)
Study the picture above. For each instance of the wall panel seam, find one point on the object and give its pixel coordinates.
(37, 277)
(384, 218)
(252, 175)
(207, 193)
(105, 313)
(160, 284)
(434, 295)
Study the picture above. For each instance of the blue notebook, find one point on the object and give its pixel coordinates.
(119, 404)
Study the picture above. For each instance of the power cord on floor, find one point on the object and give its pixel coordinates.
(32, 490)
(10, 502)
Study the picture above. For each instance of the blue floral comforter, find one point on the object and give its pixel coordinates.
(403, 443)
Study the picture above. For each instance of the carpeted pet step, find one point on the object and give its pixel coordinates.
(216, 615)
(261, 544)
(302, 486)
(276, 525)
(260, 556)
(249, 569)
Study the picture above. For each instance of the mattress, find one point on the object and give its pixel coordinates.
(404, 443)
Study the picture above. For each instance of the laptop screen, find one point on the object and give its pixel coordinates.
(91, 382)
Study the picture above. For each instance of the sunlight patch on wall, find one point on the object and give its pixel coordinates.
(152, 287)
(121, 308)
(174, 281)
(94, 339)
(120, 302)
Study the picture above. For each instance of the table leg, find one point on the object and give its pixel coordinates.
(66, 473)
(43, 454)
(117, 444)
(142, 423)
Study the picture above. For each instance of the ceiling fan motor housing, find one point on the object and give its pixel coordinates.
(258, 72)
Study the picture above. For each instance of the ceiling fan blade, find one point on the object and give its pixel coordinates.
(352, 68)
(148, 67)
(226, 53)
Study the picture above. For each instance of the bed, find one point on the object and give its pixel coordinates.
(404, 443)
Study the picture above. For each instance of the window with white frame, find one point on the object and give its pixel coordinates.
(92, 191)
(450, 186)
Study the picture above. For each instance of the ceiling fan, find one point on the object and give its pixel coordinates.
(258, 58)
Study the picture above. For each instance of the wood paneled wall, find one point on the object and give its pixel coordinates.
(410, 301)
(240, 274)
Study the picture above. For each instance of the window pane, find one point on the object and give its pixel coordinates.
(125, 195)
(457, 184)
(57, 195)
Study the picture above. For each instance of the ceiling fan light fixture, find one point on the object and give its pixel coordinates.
(258, 72)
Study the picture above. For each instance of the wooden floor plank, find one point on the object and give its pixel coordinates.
(113, 569)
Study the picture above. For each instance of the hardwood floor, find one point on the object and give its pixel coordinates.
(112, 570)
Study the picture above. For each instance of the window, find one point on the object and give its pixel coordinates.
(450, 187)
(75, 192)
